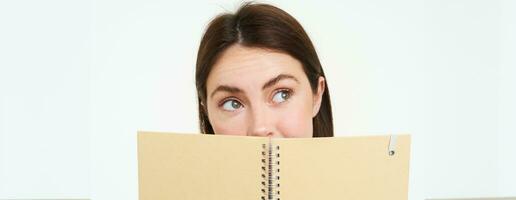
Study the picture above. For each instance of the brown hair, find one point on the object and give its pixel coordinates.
(261, 26)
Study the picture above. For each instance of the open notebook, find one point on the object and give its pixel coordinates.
(197, 166)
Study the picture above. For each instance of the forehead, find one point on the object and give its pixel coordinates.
(248, 65)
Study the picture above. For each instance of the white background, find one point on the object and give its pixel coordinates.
(79, 78)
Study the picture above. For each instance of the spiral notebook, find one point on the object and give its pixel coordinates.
(209, 167)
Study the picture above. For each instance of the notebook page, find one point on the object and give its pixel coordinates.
(344, 168)
(188, 166)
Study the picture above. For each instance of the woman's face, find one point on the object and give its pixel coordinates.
(259, 92)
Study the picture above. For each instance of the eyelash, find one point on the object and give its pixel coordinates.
(290, 92)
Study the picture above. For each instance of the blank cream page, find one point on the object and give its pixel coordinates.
(344, 168)
(207, 167)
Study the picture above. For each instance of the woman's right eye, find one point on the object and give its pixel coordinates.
(231, 105)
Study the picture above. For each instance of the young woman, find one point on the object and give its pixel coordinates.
(258, 74)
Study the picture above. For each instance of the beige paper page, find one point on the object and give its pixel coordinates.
(200, 167)
(344, 168)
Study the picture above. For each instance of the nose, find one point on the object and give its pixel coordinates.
(261, 123)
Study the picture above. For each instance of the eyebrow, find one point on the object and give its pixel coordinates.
(277, 79)
(268, 84)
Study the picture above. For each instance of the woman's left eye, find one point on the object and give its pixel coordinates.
(281, 96)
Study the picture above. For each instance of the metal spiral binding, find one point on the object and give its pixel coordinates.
(270, 172)
(264, 171)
